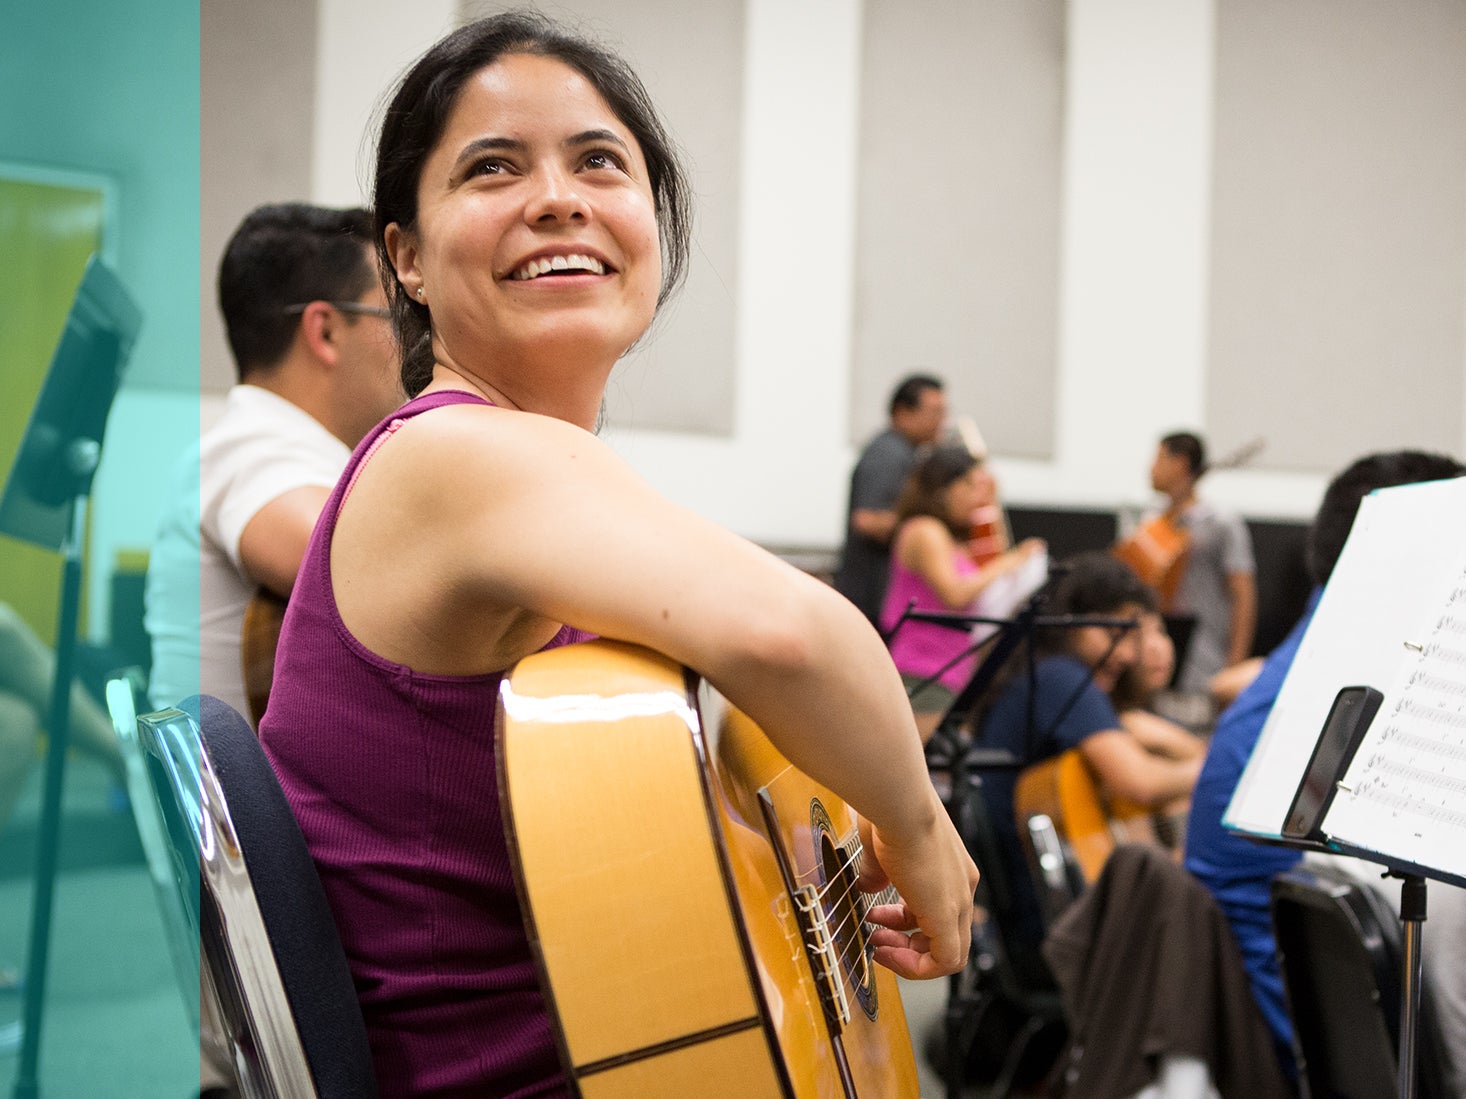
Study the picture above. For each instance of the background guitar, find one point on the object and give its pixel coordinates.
(1088, 821)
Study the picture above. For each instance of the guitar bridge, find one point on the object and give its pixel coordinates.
(823, 955)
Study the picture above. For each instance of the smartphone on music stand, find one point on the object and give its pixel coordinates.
(1349, 717)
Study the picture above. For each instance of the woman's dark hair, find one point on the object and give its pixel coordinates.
(418, 113)
(925, 490)
(1094, 583)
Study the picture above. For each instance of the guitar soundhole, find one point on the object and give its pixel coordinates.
(844, 910)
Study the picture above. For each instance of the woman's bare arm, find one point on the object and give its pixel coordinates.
(927, 548)
(1160, 737)
(1126, 769)
(510, 510)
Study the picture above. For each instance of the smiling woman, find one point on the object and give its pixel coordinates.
(505, 198)
(530, 217)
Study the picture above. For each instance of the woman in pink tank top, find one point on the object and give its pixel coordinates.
(530, 218)
(933, 570)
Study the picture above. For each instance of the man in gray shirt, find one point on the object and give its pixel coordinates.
(918, 413)
(1219, 584)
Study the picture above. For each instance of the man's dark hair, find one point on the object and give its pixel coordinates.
(908, 391)
(1330, 527)
(418, 113)
(283, 255)
(1188, 445)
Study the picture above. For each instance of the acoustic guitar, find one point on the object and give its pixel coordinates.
(694, 918)
(1158, 548)
(1066, 790)
(259, 637)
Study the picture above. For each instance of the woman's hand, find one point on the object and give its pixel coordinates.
(1029, 547)
(928, 933)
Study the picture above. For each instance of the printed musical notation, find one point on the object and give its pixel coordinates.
(1394, 606)
(1405, 794)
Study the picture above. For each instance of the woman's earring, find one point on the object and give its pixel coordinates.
(419, 293)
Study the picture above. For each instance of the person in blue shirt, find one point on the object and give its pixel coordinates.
(1237, 871)
(1074, 671)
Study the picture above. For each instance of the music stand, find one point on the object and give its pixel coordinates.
(1348, 720)
(45, 503)
(1006, 637)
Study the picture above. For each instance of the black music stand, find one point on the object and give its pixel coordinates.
(1343, 730)
(1006, 638)
(45, 503)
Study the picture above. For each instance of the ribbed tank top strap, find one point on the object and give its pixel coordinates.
(316, 569)
(385, 430)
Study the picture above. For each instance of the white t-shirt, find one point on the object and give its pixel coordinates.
(262, 447)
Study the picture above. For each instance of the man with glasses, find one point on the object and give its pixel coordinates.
(310, 333)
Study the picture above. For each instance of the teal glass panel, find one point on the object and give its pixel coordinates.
(99, 140)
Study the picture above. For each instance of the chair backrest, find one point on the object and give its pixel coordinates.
(1339, 950)
(173, 879)
(1021, 969)
(269, 942)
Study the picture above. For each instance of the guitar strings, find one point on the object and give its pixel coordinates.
(859, 909)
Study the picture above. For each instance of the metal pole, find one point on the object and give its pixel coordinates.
(58, 728)
(1412, 915)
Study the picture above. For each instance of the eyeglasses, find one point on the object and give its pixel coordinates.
(361, 309)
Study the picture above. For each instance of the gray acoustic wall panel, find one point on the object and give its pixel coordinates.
(256, 95)
(1338, 294)
(959, 211)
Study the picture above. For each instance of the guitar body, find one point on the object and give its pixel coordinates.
(259, 637)
(1157, 551)
(1091, 824)
(692, 917)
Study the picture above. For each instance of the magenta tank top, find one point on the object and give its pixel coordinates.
(391, 774)
(922, 648)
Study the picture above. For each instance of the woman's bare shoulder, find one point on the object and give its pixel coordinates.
(457, 447)
(923, 534)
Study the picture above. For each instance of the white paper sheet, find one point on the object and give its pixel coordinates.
(1405, 794)
(1405, 551)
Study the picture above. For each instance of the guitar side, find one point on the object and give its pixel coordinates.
(794, 817)
(670, 950)
(1065, 789)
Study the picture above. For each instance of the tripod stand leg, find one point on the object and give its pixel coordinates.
(48, 841)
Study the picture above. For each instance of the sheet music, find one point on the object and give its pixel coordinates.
(1405, 794)
(1404, 557)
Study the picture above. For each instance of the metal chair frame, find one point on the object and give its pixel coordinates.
(265, 1045)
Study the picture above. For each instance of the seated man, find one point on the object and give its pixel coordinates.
(307, 324)
(1236, 870)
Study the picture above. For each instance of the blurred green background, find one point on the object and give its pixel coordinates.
(99, 149)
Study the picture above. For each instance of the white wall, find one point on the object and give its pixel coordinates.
(1134, 260)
